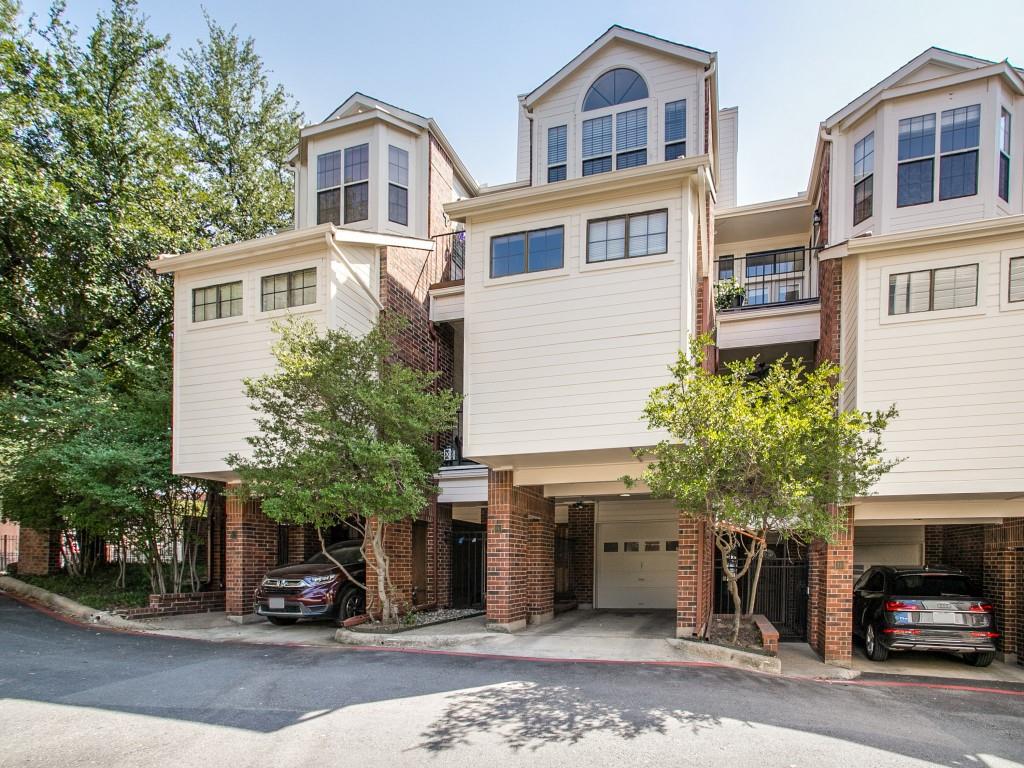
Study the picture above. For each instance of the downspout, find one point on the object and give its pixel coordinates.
(358, 278)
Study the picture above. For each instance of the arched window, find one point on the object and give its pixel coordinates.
(615, 87)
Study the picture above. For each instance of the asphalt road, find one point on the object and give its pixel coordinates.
(71, 695)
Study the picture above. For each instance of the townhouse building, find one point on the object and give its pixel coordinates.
(555, 303)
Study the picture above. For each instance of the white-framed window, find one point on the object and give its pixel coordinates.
(597, 145)
(214, 302)
(328, 188)
(958, 153)
(915, 172)
(357, 183)
(627, 134)
(675, 129)
(534, 251)
(863, 178)
(930, 290)
(1004, 155)
(627, 237)
(557, 152)
(288, 289)
(1016, 279)
(398, 185)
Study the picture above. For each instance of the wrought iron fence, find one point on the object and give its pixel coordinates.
(469, 568)
(770, 278)
(452, 247)
(781, 595)
(8, 551)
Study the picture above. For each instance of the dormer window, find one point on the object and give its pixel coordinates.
(618, 86)
(675, 129)
(398, 185)
(328, 188)
(357, 184)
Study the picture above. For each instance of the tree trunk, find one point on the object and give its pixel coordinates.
(755, 578)
(388, 613)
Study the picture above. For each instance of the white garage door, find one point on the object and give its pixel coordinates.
(636, 565)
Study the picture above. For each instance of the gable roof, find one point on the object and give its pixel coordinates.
(957, 64)
(358, 107)
(616, 32)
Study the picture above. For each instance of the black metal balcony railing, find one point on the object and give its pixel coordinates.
(768, 278)
(451, 445)
(452, 247)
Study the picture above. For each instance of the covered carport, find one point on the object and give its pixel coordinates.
(982, 537)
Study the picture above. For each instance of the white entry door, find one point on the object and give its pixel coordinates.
(636, 565)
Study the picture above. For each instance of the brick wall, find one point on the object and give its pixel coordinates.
(581, 532)
(520, 553)
(1003, 553)
(830, 601)
(177, 604)
(963, 546)
(38, 551)
(933, 544)
(441, 189)
(694, 568)
(439, 557)
(398, 543)
(251, 552)
(830, 285)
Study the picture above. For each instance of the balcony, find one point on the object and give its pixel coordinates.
(769, 279)
(451, 445)
(768, 301)
(452, 247)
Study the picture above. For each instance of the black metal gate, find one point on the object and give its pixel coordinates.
(781, 596)
(469, 568)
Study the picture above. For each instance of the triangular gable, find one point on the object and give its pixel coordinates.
(934, 63)
(359, 102)
(615, 32)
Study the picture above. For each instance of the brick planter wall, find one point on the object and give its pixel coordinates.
(38, 552)
(177, 604)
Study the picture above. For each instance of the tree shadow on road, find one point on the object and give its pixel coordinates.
(526, 715)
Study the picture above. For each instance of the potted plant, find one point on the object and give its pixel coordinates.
(729, 294)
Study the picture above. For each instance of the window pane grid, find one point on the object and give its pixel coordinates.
(288, 289)
(638, 234)
(357, 163)
(675, 120)
(398, 204)
(1016, 292)
(398, 166)
(217, 301)
(328, 170)
(357, 202)
(557, 138)
(534, 251)
(631, 129)
(672, 151)
(597, 136)
(958, 175)
(961, 128)
(917, 137)
(556, 173)
(615, 87)
(915, 182)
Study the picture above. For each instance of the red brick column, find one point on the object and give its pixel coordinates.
(830, 603)
(581, 531)
(506, 555)
(933, 553)
(540, 557)
(694, 568)
(251, 552)
(439, 557)
(38, 551)
(398, 544)
(1003, 566)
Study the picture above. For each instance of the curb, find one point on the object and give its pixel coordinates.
(395, 640)
(729, 657)
(66, 605)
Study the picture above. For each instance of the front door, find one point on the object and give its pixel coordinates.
(636, 565)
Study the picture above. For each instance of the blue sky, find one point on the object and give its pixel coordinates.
(786, 64)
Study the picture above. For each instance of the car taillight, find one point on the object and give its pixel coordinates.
(903, 605)
(985, 634)
(981, 608)
(891, 631)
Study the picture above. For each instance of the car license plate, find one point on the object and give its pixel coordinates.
(943, 617)
(902, 617)
(275, 603)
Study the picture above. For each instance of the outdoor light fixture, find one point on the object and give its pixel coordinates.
(816, 217)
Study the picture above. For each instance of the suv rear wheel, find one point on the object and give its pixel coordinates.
(981, 659)
(873, 647)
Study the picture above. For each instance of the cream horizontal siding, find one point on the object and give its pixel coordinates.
(955, 380)
(212, 415)
(565, 361)
(774, 326)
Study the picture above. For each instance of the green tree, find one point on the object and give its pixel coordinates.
(345, 436)
(93, 183)
(85, 451)
(757, 456)
(239, 130)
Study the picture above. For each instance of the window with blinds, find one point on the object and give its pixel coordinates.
(557, 153)
(930, 290)
(627, 237)
(1016, 279)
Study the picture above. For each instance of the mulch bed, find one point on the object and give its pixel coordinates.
(720, 633)
(419, 619)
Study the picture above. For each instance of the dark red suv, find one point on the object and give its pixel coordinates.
(315, 589)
